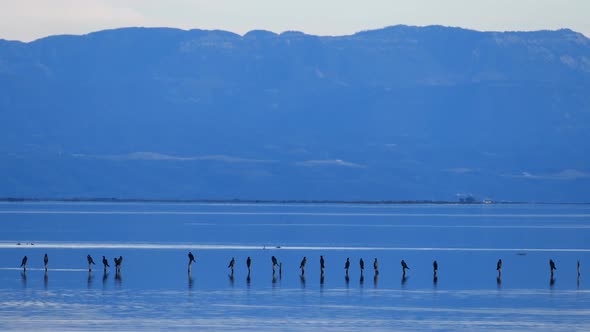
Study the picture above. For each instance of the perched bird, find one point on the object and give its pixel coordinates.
(191, 259)
(362, 264)
(90, 262)
(347, 265)
(322, 266)
(435, 267)
(552, 266)
(248, 263)
(46, 261)
(231, 265)
(105, 263)
(119, 263)
(404, 266)
(274, 263)
(499, 267)
(23, 263)
(376, 266)
(302, 265)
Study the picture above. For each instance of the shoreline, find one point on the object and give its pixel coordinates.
(270, 201)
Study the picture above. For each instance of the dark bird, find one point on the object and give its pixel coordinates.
(90, 262)
(191, 259)
(404, 267)
(435, 266)
(322, 266)
(274, 263)
(347, 265)
(105, 263)
(46, 261)
(248, 264)
(302, 265)
(579, 268)
(552, 266)
(231, 265)
(376, 266)
(23, 263)
(362, 264)
(119, 262)
(499, 267)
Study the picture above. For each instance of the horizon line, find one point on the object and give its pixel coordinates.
(292, 31)
(274, 201)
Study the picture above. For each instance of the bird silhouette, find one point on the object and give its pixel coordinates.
(404, 267)
(231, 265)
(248, 264)
(347, 265)
(322, 266)
(302, 265)
(274, 263)
(362, 265)
(499, 267)
(23, 263)
(191, 259)
(46, 261)
(435, 266)
(376, 266)
(90, 262)
(119, 263)
(105, 263)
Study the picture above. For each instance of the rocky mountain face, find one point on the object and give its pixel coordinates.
(398, 113)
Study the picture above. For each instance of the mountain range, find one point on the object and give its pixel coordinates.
(400, 113)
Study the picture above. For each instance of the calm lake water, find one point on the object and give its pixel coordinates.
(155, 292)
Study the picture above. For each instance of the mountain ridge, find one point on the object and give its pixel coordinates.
(401, 113)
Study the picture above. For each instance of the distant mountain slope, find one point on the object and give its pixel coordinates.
(397, 113)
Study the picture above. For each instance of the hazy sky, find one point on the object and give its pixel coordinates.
(31, 19)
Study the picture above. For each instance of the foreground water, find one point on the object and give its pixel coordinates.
(155, 292)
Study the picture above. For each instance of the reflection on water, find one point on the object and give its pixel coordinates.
(268, 309)
(118, 279)
(23, 276)
(155, 299)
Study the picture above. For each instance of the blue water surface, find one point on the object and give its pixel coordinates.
(154, 290)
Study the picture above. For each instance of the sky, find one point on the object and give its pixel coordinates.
(28, 20)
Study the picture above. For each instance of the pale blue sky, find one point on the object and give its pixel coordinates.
(31, 19)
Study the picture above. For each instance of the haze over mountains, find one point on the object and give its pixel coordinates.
(398, 113)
